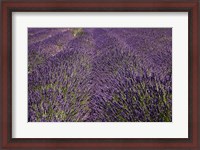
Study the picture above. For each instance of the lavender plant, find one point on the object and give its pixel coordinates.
(100, 75)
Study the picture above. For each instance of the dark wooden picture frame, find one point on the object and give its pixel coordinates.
(9, 6)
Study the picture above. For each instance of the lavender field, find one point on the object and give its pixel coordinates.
(99, 74)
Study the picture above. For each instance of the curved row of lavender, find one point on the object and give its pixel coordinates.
(100, 75)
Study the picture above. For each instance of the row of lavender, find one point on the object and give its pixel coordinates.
(100, 74)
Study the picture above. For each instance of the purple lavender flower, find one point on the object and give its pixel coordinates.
(100, 74)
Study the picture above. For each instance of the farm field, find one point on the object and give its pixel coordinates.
(99, 74)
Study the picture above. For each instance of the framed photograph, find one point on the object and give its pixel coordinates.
(100, 74)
